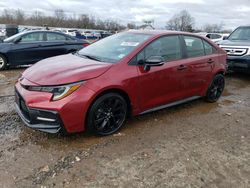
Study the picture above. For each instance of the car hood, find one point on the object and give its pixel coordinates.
(234, 43)
(64, 69)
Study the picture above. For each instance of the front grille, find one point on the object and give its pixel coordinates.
(235, 51)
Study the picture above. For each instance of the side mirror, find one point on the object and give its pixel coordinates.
(225, 38)
(153, 61)
(17, 40)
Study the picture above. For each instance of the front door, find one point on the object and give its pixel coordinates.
(161, 84)
(28, 50)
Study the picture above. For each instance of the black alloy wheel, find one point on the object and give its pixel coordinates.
(216, 88)
(108, 114)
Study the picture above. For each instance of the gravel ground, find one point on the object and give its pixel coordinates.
(193, 145)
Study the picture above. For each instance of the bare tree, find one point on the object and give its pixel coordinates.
(7, 16)
(59, 16)
(37, 18)
(19, 16)
(213, 28)
(182, 21)
(59, 19)
(131, 26)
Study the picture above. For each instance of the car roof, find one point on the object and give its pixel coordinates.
(160, 32)
(244, 26)
(39, 31)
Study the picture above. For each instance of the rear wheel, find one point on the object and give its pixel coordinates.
(216, 88)
(107, 114)
(3, 62)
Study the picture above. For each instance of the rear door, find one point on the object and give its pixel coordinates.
(56, 44)
(200, 58)
(163, 84)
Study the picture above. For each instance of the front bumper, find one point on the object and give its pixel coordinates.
(239, 64)
(42, 120)
(39, 112)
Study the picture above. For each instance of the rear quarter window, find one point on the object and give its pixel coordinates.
(209, 49)
(194, 46)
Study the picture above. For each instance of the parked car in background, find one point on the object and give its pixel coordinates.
(215, 37)
(87, 33)
(237, 46)
(57, 30)
(97, 34)
(105, 34)
(30, 47)
(71, 32)
(129, 73)
(2, 32)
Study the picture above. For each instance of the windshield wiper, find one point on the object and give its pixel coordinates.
(89, 57)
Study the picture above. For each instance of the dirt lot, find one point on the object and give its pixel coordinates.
(193, 145)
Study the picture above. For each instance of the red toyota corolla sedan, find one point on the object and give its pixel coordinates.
(130, 73)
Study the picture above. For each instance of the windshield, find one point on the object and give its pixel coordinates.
(242, 33)
(114, 48)
(10, 39)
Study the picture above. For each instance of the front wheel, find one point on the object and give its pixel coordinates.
(107, 114)
(3, 62)
(216, 88)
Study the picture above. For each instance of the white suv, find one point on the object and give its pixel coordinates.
(237, 46)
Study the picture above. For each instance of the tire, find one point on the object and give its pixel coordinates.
(215, 89)
(107, 114)
(3, 62)
(72, 51)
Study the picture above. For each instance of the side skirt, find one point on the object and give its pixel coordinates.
(171, 104)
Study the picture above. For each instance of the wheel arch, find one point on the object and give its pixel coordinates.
(6, 61)
(119, 91)
(5, 56)
(219, 71)
(223, 72)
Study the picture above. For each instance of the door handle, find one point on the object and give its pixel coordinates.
(210, 61)
(181, 67)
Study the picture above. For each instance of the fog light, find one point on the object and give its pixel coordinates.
(45, 119)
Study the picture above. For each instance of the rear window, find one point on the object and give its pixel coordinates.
(194, 46)
(215, 36)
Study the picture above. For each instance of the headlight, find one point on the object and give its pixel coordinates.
(59, 92)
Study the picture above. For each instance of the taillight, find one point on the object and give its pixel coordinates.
(86, 44)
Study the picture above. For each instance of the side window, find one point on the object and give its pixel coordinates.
(168, 47)
(215, 36)
(209, 49)
(194, 46)
(51, 37)
(32, 37)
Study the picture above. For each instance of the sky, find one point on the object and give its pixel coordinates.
(231, 13)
